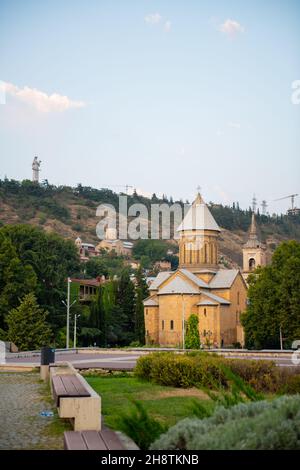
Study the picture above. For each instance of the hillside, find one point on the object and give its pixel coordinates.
(71, 212)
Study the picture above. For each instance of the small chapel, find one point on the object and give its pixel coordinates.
(199, 286)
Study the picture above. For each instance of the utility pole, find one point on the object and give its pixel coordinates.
(280, 336)
(75, 329)
(68, 313)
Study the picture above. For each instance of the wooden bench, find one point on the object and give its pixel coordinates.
(67, 386)
(106, 439)
(75, 399)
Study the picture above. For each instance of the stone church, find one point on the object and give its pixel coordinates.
(199, 286)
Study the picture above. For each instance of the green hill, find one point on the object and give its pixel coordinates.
(71, 212)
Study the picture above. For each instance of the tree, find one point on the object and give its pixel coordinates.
(192, 339)
(274, 300)
(27, 326)
(16, 278)
(141, 293)
(98, 318)
(126, 301)
(50, 259)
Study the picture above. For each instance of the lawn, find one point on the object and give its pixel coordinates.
(167, 404)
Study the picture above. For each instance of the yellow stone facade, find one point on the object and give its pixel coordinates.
(216, 296)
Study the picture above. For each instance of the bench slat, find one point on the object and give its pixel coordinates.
(79, 387)
(93, 440)
(73, 440)
(68, 385)
(59, 389)
(111, 439)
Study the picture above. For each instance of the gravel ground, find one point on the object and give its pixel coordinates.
(22, 398)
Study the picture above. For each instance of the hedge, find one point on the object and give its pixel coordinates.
(205, 370)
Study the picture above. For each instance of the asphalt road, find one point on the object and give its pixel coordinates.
(120, 359)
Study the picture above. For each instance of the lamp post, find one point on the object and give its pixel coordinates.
(68, 306)
(75, 329)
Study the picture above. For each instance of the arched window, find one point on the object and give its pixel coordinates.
(211, 252)
(251, 264)
(205, 312)
(172, 325)
(205, 253)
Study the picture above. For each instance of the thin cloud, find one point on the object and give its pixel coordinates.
(234, 125)
(153, 18)
(167, 26)
(40, 100)
(231, 27)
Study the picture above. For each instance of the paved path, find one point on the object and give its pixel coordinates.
(21, 401)
(123, 360)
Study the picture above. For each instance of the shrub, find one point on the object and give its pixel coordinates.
(256, 425)
(140, 427)
(181, 370)
(291, 385)
(202, 369)
(261, 375)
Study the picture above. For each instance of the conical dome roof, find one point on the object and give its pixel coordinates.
(198, 217)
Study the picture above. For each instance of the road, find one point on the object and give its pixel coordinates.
(123, 360)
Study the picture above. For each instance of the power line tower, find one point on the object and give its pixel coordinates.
(264, 206)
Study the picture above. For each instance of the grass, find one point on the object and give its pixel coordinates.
(166, 404)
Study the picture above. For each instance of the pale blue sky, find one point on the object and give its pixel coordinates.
(171, 98)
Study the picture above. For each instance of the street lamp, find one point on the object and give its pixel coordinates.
(75, 329)
(68, 306)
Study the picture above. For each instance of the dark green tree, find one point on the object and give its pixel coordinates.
(126, 301)
(192, 338)
(98, 317)
(141, 293)
(52, 260)
(27, 325)
(16, 278)
(274, 300)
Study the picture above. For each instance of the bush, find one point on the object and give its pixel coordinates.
(140, 427)
(181, 370)
(256, 425)
(263, 376)
(291, 384)
(202, 369)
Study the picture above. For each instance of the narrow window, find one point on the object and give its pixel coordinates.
(238, 298)
(205, 312)
(163, 324)
(172, 324)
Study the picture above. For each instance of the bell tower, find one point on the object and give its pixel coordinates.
(254, 253)
(198, 243)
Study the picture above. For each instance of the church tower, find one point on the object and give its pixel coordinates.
(254, 253)
(198, 242)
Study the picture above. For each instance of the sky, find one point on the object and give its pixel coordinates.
(162, 95)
